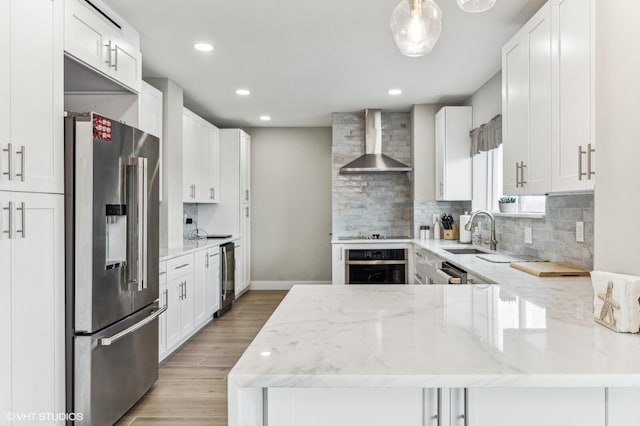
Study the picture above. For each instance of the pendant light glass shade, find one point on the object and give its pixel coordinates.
(476, 6)
(416, 26)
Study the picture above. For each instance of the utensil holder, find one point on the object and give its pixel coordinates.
(451, 234)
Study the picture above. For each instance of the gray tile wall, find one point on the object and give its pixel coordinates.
(371, 203)
(554, 237)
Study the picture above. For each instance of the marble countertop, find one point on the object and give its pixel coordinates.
(190, 246)
(511, 335)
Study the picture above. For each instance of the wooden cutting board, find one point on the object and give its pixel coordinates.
(550, 269)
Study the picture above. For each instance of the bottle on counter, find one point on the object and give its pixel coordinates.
(424, 232)
(436, 230)
(476, 236)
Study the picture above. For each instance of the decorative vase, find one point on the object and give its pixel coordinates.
(507, 207)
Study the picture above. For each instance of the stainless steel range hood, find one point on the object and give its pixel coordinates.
(374, 161)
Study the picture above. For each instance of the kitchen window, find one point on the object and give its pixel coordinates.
(488, 185)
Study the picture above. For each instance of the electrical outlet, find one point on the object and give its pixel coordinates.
(528, 236)
(188, 221)
(580, 232)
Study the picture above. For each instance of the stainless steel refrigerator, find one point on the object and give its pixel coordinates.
(111, 196)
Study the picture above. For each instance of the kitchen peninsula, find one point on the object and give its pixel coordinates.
(496, 355)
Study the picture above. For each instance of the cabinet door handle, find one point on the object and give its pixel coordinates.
(9, 151)
(115, 51)
(442, 188)
(181, 266)
(517, 175)
(522, 167)
(246, 212)
(9, 230)
(166, 298)
(22, 231)
(206, 260)
(580, 154)
(590, 151)
(185, 290)
(419, 277)
(108, 61)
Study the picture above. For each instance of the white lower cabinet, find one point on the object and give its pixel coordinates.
(240, 268)
(337, 262)
(180, 314)
(31, 303)
(623, 406)
(190, 288)
(162, 320)
(172, 315)
(187, 307)
(536, 406)
(345, 407)
(452, 406)
(207, 285)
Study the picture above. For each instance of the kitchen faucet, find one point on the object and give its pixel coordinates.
(492, 242)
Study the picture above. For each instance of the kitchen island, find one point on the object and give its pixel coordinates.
(433, 355)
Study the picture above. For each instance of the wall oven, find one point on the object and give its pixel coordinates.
(376, 266)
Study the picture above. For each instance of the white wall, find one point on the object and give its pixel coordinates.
(291, 186)
(171, 204)
(486, 103)
(617, 144)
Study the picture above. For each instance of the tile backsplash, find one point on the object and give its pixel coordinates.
(423, 212)
(363, 204)
(554, 237)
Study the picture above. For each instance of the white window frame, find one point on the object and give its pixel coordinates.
(488, 184)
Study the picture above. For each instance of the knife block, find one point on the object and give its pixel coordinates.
(451, 234)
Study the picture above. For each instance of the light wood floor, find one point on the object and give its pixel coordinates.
(192, 387)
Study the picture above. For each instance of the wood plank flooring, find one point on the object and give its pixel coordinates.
(192, 386)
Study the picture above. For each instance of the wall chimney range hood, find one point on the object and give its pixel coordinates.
(374, 161)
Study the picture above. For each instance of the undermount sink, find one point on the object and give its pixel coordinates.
(465, 251)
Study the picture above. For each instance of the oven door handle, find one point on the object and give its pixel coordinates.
(376, 262)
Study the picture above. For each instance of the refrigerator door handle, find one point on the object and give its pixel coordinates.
(106, 341)
(137, 209)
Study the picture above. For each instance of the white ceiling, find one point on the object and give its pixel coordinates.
(303, 60)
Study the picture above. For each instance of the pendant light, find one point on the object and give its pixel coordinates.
(475, 6)
(416, 26)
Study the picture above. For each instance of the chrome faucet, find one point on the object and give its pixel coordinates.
(493, 243)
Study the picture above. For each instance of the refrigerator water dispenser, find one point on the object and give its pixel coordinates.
(116, 236)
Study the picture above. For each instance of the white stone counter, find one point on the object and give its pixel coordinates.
(190, 246)
(438, 336)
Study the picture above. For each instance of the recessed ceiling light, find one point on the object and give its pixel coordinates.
(395, 92)
(265, 117)
(243, 92)
(203, 47)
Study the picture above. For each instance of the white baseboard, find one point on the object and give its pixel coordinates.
(282, 285)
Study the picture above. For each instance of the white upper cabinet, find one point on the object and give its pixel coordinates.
(573, 142)
(200, 159)
(213, 166)
(31, 97)
(526, 100)
(453, 154)
(95, 36)
(245, 167)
